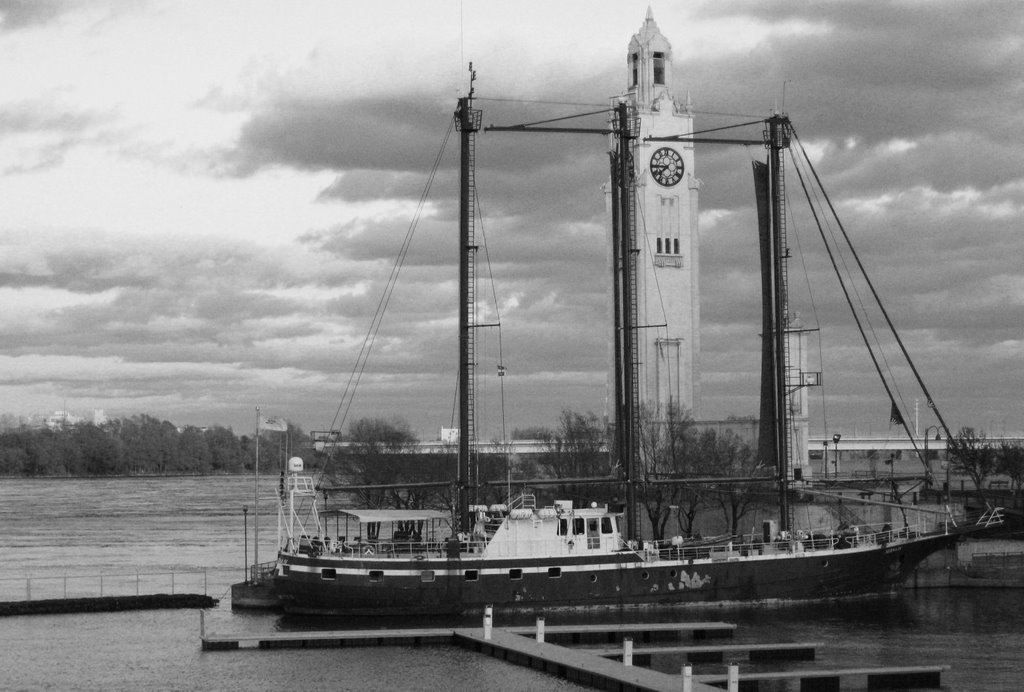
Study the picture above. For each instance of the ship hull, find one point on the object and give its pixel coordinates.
(331, 585)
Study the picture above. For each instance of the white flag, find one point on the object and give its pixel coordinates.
(275, 424)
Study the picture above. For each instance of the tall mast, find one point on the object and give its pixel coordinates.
(467, 121)
(626, 384)
(778, 140)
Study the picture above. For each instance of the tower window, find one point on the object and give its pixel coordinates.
(659, 68)
(675, 245)
(635, 61)
(659, 246)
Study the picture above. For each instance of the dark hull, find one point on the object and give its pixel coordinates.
(440, 586)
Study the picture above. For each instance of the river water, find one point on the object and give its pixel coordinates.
(136, 532)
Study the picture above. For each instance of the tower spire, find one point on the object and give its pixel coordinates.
(649, 61)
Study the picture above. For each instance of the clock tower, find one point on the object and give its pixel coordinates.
(668, 296)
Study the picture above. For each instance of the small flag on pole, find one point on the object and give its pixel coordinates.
(274, 424)
(895, 417)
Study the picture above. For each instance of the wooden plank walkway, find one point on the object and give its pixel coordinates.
(574, 665)
(615, 632)
(328, 639)
(790, 651)
(889, 677)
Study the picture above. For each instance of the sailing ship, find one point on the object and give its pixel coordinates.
(523, 556)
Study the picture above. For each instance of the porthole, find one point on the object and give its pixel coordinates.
(645, 575)
(672, 574)
(593, 578)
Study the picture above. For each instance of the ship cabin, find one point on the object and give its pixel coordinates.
(560, 530)
(498, 531)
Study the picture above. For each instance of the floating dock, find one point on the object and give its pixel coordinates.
(532, 647)
(614, 633)
(785, 651)
(889, 677)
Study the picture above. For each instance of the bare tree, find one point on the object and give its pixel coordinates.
(577, 450)
(668, 450)
(1011, 463)
(729, 455)
(972, 454)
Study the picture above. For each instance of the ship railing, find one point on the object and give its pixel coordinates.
(993, 516)
(108, 584)
(263, 572)
(392, 549)
(524, 501)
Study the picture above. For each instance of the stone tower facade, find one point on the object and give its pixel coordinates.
(666, 225)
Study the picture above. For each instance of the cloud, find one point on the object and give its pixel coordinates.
(203, 206)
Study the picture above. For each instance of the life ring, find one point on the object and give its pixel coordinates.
(368, 551)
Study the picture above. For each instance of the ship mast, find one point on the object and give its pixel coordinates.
(623, 128)
(777, 140)
(467, 121)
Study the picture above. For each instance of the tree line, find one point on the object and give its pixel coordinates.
(139, 445)
(974, 455)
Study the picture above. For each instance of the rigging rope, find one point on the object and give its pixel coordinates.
(874, 294)
(359, 367)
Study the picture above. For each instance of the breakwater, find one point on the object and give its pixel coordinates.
(106, 604)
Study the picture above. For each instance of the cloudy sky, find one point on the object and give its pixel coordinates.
(200, 202)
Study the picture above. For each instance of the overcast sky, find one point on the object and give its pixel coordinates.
(200, 202)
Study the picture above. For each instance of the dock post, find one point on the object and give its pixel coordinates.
(687, 677)
(540, 629)
(202, 624)
(488, 620)
(734, 678)
(627, 651)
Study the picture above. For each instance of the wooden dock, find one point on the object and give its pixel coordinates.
(615, 632)
(889, 677)
(327, 639)
(575, 665)
(594, 667)
(785, 651)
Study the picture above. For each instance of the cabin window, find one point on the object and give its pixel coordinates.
(659, 67)
(554, 572)
(515, 574)
(635, 62)
(427, 575)
(285, 569)
(606, 525)
(471, 575)
(579, 526)
(376, 576)
(329, 573)
(563, 527)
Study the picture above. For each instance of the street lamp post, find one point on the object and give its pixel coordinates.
(927, 459)
(824, 458)
(245, 515)
(835, 462)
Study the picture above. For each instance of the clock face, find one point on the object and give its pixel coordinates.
(667, 166)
